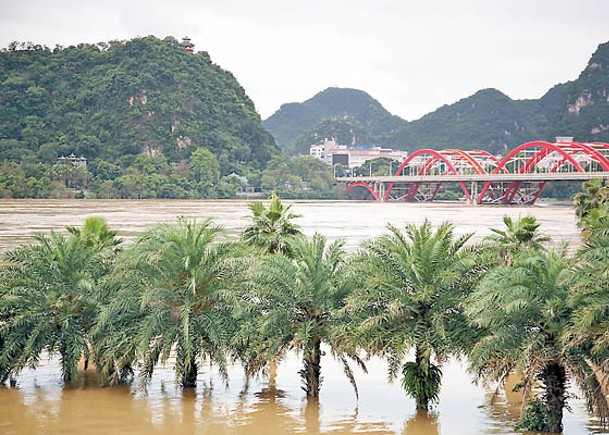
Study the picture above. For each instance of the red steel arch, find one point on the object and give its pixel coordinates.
(570, 149)
(436, 155)
(546, 148)
(366, 186)
(455, 161)
(464, 155)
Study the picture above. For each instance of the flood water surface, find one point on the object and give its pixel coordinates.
(40, 404)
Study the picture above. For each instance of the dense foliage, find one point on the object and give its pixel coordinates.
(293, 304)
(51, 297)
(109, 102)
(144, 176)
(299, 177)
(171, 290)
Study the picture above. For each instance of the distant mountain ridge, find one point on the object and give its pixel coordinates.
(487, 120)
(341, 111)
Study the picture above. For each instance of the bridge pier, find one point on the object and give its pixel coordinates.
(381, 191)
(473, 193)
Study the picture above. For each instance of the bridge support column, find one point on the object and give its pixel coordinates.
(380, 188)
(473, 192)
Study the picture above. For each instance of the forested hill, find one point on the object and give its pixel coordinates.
(350, 115)
(122, 98)
(487, 120)
(585, 109)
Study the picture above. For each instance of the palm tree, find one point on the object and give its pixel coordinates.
(292, 302)
(594, 226)
(406, 293)
(518, 235)
(523, 308)
(173, 285)
(96, 232)
(270, 232)
(49, 299)
(271, 227)
(589, 298)
(594, 195)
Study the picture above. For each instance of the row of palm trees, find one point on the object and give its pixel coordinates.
(186, 291)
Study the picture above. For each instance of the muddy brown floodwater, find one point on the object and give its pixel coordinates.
(39, 404)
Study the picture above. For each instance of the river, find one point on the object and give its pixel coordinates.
(39, 403)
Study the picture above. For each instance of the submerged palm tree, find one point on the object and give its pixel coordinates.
(49, 299)
(292, 302)
(271, 227)
(406, 295)
(171, 289)
(589, 300)
(523, 308)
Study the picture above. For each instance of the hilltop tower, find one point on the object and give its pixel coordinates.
(188, 46)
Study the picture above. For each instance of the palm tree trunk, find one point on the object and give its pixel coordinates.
(189, 373)
(273, 374)
(554, 380)
(422, 362)
(312, 368)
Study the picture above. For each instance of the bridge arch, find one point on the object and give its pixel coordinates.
(545, 148)
(568, 150)
(532, 157)
(434, 156)
(368, 187)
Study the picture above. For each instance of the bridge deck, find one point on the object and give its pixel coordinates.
(499, 178)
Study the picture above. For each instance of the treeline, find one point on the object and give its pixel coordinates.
(414, 296)
(144, 176)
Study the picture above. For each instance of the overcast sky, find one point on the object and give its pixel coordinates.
(412, 56)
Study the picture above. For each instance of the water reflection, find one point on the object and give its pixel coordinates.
(422, 423)
(41, 405)
(266, 414)
(503, 405)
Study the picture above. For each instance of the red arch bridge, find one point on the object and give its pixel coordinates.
(518, 178)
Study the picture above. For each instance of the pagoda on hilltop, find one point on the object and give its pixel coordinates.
(188, 46)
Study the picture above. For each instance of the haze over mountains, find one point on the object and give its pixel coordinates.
(487, 120)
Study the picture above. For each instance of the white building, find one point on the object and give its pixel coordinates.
(332, 153)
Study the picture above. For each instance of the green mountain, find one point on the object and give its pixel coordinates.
(585, 113)
(109, 100)
(487, 120)
(350, 115)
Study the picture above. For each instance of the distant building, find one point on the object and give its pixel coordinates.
(332, 153)
(72, 159)
(318, 151)
(188, 46)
